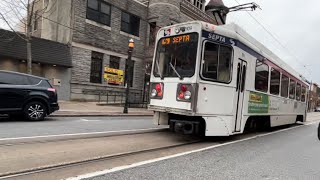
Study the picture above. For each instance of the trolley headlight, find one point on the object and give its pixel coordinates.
(187, 95)
(154, 93)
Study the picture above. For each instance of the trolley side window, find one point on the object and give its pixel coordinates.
(275, 82)
(217, 63)
(303, 94)
(292, 89)
(298, 92)
(284, 86)
(262, 76)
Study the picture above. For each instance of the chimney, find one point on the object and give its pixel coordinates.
(217, 10)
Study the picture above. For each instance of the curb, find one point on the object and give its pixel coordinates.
(92, 114)
(98, 115)
(67, 137)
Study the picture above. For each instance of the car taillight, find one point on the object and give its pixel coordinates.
(51, 90)
(184, 92)
(156, 91)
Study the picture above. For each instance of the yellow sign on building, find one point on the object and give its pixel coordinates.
(113, 76)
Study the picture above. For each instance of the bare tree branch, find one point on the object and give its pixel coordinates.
(23, 3)
(18, 14)
(46, 10)
(30, 13)
(11, 26)
(6, 3)
(7, 39)
(55, 2)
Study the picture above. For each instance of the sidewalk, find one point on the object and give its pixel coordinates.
(75, 109)
(313, 116)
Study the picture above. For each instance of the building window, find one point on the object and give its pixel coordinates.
(262, 77)
(114, 62)
(275, 82)
(198, 3)
(292, 89)
(130, 24)
(131, 74)
(99, 11)
(35, 24)
(298, 92)
(284, 86)
(96, 67)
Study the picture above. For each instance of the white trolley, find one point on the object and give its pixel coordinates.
(218, 81)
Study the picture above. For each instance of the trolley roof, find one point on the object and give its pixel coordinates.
(234, 31)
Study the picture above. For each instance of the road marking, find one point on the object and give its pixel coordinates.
(78, 134)
(87, 120)
(120, 168)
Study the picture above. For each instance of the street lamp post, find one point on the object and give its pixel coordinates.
(128, 74)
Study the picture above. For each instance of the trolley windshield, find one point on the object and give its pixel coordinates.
(176, 56)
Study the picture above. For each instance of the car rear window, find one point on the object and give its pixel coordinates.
(46, 84)
(14, 79)
(34, 81)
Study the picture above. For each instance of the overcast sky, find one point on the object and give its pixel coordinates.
(294, 23)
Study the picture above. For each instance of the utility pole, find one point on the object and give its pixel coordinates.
(128, 74)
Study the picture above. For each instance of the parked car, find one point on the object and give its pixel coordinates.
(317, 109)
(23, 95)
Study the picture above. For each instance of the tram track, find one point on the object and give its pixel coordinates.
(19, 159)
(27, 172)
(66, 164)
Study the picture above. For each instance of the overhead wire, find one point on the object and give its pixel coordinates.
(277, 40)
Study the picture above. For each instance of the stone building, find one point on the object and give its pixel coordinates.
(98, 32)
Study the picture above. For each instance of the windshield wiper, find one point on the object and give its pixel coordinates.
(174, 69)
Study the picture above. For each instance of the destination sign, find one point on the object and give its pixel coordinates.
(183, 38)
(179, 39)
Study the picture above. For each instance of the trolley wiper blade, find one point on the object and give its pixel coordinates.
(174, 69)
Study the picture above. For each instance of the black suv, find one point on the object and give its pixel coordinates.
(28, 96)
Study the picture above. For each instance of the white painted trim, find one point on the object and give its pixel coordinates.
(130, 35)
(99, 173)
(88, 21)
(140, 3)
(92, 48)
(154, 4)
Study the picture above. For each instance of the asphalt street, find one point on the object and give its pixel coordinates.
(292, 154)
(71, 125)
